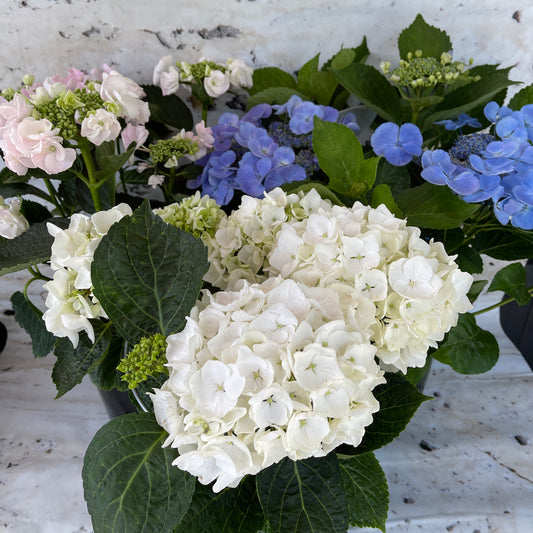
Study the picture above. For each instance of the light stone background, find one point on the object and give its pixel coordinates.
(478, 478)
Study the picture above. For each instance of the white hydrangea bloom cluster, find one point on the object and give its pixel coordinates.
(246, 237)
(70, 302)
(264, 372)
(407, 290)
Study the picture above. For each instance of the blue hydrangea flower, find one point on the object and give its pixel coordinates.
(462, 120)
(439, 170)
(397, 144)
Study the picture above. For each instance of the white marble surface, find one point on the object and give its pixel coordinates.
(478, 478)
(47, 36)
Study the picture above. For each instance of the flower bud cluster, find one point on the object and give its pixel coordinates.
(418, 71)
(263, 372)
(198, 215)
(70, 301)
(12, 221)
(147, 358)
(187, 144)
(215, 79)
(40, 123)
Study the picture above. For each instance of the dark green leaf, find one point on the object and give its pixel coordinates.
(30, 248)
(304, 496)
(469, 259)
(421, 36)
(325, 192)
(147, 275)
(507, 243)
(340, 156)
(434, 206)
(367, 493)
(8, 190)
(104, 373)
(522, 98)
(274, 95)
(229, 511)
(74, 363)
(129, 482)
(475, 289)
(34, 212)
(169, 109)
(397, 178)
(467, 348)
(8, 176)
(512, 281)
(398, 402)
(109, 162)
(415, 374)
(346, 56)
(381, 194)
(84, 198)
(468, 97)
(372, 89)
(31, 319)
(265, 78)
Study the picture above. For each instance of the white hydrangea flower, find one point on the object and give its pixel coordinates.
(240, 74)
(216, 83)
(262, 375)
(12, 221)
(70, 302)
(100, 126)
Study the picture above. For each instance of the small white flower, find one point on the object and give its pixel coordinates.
(216, 387)
(100, 127)
(12, 222)
(216, 83)
(166, 75)
(155, 180)
(240, 74)
(270, 407)
(305, 433)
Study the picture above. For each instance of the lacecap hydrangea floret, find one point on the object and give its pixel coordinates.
(263, 372)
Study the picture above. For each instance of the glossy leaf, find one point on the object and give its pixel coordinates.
(512, 280)
(273, 95)
(381, 194)
(170, 109)
(372, 89)
(74, 363)
(265, 78)
(506, 243)
(422, 36)
(147, 275)
(522, 98)
(467, 348)
(340, 156)
(476, 289)
(129, 482)
(367, 493)
(29, 248)
(230, 511)
(303, 496)
(434, 207)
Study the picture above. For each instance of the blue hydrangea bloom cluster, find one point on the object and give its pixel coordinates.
(501, 171)
(259, 151)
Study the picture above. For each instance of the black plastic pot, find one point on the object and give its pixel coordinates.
(3, 337)
(117, 403)
(517, 321)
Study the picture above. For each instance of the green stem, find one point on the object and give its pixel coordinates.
(500, 304)
(53, 196)
(89, 165)
(204, 113)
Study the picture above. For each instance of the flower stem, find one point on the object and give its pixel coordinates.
(53, 196)
(500, 304)
(89, 165)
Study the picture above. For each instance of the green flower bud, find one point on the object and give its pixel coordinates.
(69, 101)
(147, 358)
(28, 80)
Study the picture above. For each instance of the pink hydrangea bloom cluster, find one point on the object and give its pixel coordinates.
(42, 124)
